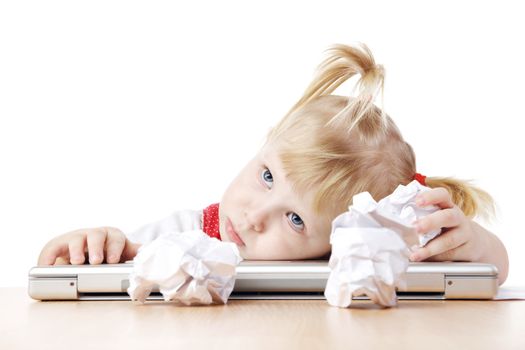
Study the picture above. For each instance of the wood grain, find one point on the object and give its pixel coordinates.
(266, 324)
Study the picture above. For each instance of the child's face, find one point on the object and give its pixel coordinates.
(272, 220)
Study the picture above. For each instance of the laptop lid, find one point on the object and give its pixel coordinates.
(305, 279)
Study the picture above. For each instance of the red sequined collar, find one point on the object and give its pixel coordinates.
(210, 221)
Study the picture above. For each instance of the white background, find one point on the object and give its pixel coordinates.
(120, 112)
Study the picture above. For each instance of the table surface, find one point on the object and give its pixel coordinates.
(263, 324)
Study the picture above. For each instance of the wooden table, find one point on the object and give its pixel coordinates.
(263, 324)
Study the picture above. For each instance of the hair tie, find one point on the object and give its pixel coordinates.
(420, 178)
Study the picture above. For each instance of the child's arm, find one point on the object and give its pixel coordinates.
(462, 239)
(99, 243)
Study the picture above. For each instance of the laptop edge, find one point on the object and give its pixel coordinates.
(267, 280)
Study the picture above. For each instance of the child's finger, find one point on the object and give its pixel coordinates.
(51, 252)
(49, 259)
(95, 244)
(115, 242)
(438, 196)
(130, 250)
(443, 243)
(77, 245)
(442, 218)
(449, 255)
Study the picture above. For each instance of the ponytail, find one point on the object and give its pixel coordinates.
(342, 63)
(472, 200)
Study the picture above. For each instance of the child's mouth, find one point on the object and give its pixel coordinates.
(234, 236)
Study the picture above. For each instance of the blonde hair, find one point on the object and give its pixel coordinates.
(341, 146)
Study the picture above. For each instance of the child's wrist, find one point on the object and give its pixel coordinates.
(485, 239)
(493, 252)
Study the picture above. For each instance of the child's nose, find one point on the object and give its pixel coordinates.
(257, 219)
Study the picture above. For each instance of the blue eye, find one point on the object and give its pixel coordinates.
(267, 177)
(296, 221)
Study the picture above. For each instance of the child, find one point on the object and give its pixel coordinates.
(324, 151)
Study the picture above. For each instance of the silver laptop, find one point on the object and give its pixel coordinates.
(305, 279)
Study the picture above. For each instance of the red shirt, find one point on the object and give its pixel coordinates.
(210, 221)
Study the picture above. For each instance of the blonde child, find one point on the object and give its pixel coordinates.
(325, 150)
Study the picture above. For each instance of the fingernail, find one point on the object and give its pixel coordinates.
(94, 258)
(414, 257)
(420, 202)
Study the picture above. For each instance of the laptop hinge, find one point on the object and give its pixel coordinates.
(59, 288)
(463, 287)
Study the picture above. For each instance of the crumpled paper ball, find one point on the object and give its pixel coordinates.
(372, 263)
(370, 246)
(190, 268)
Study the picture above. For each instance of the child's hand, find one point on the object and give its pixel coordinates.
(459, 241)
(101, 242)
